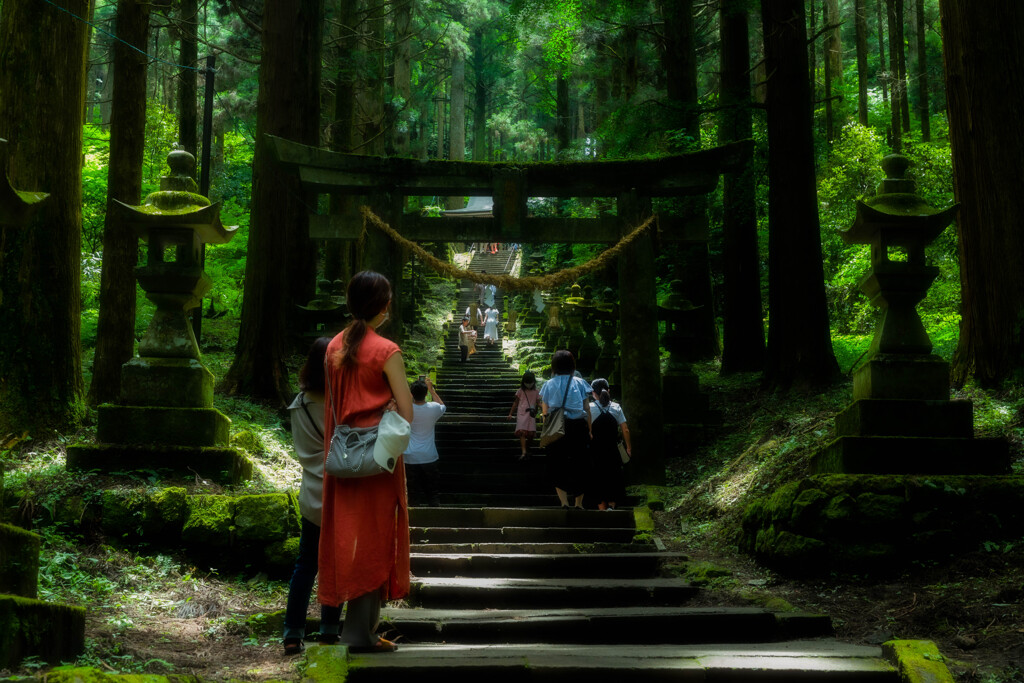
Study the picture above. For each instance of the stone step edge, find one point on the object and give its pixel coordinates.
(801, 657)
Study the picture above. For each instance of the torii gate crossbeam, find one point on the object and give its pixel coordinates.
(387, 181)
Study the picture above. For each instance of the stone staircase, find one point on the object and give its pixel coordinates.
(479, 450)
(508, 586)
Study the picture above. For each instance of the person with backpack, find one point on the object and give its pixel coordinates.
(608, 483)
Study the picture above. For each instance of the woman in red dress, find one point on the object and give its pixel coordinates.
(364, 541)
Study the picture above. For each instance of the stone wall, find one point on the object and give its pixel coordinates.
(855, 523)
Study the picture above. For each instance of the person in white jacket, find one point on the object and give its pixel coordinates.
(307, 416)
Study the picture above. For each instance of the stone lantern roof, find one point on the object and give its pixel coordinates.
(16, 206)
(177, 205)
(897, 216)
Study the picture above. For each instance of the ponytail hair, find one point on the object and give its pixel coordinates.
(600, 387)
(367, 295)
(311, 376)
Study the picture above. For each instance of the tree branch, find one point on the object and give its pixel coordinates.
(245, 20)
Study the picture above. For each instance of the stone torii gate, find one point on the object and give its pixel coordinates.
(385, 182)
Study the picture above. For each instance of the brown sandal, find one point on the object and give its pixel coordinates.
(382, 645)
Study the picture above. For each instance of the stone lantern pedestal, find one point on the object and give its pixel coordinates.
(165, 418)
(902, 420)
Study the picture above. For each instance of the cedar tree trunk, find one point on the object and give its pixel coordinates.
(42, 99)
(288, 105)
(799, 344)
(743, 348)
(115, 335)
(984, 86)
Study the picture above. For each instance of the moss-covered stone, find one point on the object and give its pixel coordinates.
(82, 674)
(839, 513)
(850, 522)
(880, 512)
(795, 549)
(917, 661)
(171, 382)
(263, 517)
(19, 561)
(122, 512)
(223, 465)
(642, 519)
(160, 425)
(780, 504)
(325, 664)
(31, 627)
(210, 522)
(806, 509)
(704, 573)
(166, 511)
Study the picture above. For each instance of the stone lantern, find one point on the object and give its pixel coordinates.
(688, 423)
(165, 417)
(677, 312)
(175, 222)
(901, 420)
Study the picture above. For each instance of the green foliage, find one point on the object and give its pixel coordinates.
(853, 171)
(95, 159)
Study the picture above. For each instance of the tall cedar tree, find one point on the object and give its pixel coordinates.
(679, 58)
(115, 333)
(799, 344)
(188, 79)
(861, 29)
(288, 105)
(42, 99)
(743, 332)
(922, 73)
(340, 257)
(403, 10)
(985, 90)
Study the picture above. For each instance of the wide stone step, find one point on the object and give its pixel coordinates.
(625, 625)
(549, 548)
(450, 593)
(501, 517)
(519, 535)
(520, 485)
(822, 660)
(503, 500)
(501, 565)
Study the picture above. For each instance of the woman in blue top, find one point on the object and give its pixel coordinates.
(567, 464)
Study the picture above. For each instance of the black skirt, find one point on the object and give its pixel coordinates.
(568, 459)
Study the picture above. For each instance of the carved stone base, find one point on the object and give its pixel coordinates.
(881, 417)
(913, 455)
(169, 382)
(222, 465)
(906, 376)
(160, 425)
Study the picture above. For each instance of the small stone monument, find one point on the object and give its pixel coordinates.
(165, 417)
(28, 626)
(902, 420)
